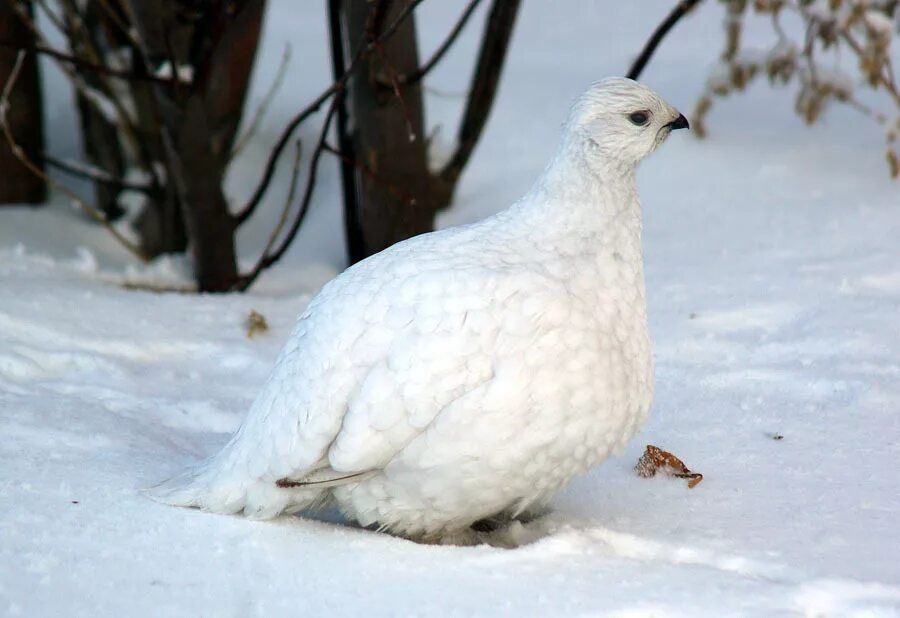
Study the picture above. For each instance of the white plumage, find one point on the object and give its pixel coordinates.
(469, 372)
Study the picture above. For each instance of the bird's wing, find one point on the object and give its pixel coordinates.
(375, 358)
(461, 325)
(413, 357)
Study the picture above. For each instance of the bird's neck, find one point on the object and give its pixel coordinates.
(580, 199)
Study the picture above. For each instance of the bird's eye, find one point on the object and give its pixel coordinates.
(639, 118)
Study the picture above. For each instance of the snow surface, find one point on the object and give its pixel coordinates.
(774, 296)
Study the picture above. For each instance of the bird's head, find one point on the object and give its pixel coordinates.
(619, 122)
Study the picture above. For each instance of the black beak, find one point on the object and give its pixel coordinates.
(679, 123)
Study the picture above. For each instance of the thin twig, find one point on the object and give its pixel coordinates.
(264, 104)
(422, 71)
(889, 69)
(74, 19)
(129, 128)
(53, 18)
(295, 174)
(363, 51)
(485, 79)
(87, 65)
(680, 10)
(267, 259)
(888, 84)
(95, 174)
(776, 25)
(865, 109)
(123, 120)
(808, 51)
(120, 23)
(19, 153)
(126, 125)
(310, 187)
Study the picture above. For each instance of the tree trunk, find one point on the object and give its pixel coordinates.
(389, 151)
(389, 192)
(198, 176)
(200, 116)
(25, 113)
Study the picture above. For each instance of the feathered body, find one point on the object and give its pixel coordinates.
(468, 372)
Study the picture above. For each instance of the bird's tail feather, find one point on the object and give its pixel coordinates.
(210, 486)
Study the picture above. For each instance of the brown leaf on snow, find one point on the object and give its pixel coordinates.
(255, 324)
(655, 459)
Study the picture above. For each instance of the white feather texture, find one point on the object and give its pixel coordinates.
(468, 372)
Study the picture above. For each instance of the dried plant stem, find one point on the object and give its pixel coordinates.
(860, 29)
(885, 80)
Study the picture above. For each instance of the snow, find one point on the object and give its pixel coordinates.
(185, 72)
(773, 278)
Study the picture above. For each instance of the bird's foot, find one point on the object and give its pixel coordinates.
(502, 530)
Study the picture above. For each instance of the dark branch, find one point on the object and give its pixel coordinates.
(119, 16)
(96, 175)
(268, 259)
(87, 65)
(422, 71)
(264, 104)
(337, 86)
(269, 171)
(246, 280)
(680, 10)
(494, 45)
(308, 193)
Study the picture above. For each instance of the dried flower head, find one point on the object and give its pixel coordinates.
(864, 29)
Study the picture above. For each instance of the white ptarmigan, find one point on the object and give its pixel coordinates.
(470, 372)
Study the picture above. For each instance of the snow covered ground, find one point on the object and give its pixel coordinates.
(773, 268)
